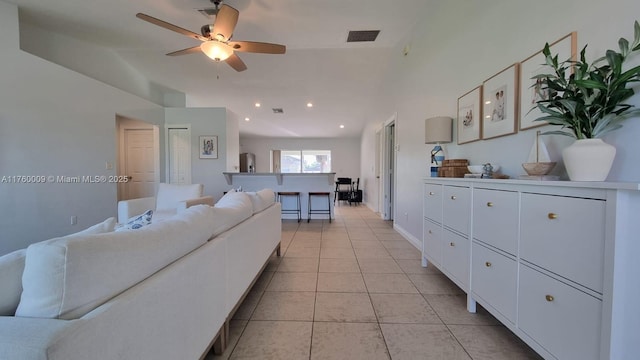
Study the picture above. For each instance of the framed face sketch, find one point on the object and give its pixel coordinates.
(470, 116)
(531, 89)
(208, 147)
(499, 100)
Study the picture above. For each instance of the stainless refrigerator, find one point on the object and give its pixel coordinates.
(247, 162)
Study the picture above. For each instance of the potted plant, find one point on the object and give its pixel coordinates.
(588, 100)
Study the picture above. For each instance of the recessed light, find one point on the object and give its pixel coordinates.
(258, 104)
(309, 104)
(247, 119)
(341, 126)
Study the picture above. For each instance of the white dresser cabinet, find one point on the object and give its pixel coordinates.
(565, 235)
(455, 258)
(446, 244)
(556, 262)
(562, 319)
(456, 208)
(495, 215)
(432, 225)
(494, 278)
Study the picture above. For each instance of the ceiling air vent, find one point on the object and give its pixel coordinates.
(363, 35)
(278, 110)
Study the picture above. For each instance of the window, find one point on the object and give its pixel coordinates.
(305, 161)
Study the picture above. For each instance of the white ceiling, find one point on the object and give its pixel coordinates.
(343, 80)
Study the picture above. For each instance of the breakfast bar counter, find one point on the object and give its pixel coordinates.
(303, 183)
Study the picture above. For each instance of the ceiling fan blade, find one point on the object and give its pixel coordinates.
(171, 27)
(258, 47)
(236, 63)
(191, 50)
(225, 23)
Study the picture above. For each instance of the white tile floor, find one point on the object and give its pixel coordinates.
(354, 289)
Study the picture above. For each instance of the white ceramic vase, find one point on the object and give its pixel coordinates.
(588, 160)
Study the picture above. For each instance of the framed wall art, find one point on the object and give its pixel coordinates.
(530, 89)
(208, 147)
(500, 103)
(470, 116)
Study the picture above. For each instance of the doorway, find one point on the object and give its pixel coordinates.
(178, 156)
(388, 169)
(138, 158)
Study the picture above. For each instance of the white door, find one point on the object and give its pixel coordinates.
(139, 163)
(179, 155)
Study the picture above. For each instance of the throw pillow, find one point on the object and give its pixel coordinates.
(137, 222)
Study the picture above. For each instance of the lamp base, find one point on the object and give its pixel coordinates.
(437, 157)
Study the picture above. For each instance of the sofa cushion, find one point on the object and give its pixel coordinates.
(261, 200)
(68, 277)
(106, 226)
(232, 209)
(169, 195)
(11, 268)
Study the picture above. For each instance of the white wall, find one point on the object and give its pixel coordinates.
(56, 122)
(345, 152)
(460, 44)
(96, 62)
(206, 121)
(233, 141)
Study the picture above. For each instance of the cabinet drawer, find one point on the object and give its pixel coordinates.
(455, 257)
(432, 242)
(495, 218)
(432, 206)
(565, 236)
(563, 320)
(494, 279)
(456, 208)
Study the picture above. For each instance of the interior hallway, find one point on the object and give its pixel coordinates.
(355, 289)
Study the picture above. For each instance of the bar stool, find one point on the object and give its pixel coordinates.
(319, 211)
(298, 209)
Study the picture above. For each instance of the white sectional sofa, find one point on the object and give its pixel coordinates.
(165, 291)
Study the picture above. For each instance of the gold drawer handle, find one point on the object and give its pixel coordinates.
(453, 197)
(489, 204)
(452, 244)
(431, 193)
(549, 298)
(552, 216)
(487, 264)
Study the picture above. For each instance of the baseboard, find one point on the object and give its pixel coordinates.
(417, 243)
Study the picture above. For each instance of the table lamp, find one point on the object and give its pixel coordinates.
(437, 130)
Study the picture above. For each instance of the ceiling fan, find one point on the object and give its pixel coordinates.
(216, 38)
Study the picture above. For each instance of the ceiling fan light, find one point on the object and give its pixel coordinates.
(216, 50)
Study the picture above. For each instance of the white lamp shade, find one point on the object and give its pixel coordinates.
(438, 130)
(216, 50)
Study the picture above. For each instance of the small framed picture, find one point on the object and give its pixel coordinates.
(531, 89)
(500, 103)
(208, 147)
(470, 116)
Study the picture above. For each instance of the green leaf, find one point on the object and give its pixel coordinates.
(615, 62)
(558, 132)
(624, 46)
(546, 51)
(626, 76)
(591, 84)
